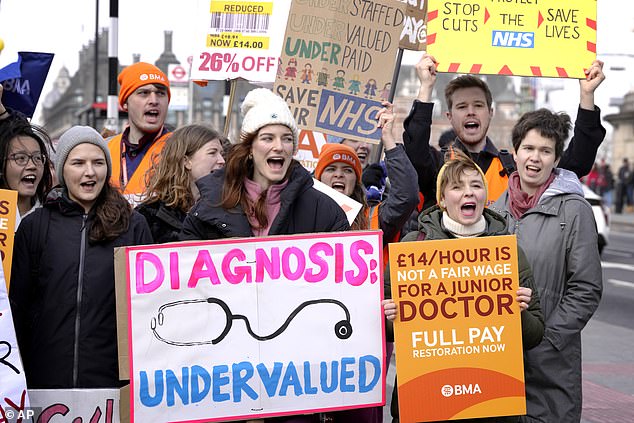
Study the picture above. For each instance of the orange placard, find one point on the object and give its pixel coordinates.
(458, 331)
(8, 210)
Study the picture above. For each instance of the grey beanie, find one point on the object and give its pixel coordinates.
(71, 139)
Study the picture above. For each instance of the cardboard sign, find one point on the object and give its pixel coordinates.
(74, 405)
(414, 32)
(257, 327)
(308, 149)
(458, 330)
(239, 39)
(14, 400)
(337, 65)
(8, 213)
(551, 38)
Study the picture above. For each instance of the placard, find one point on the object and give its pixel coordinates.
(257, 327)
(551, 38)
(75, 405)
(458, 331)
(335, 75)
(8, 213)
(239, 39)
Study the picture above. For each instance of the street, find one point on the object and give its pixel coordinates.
(608, 340)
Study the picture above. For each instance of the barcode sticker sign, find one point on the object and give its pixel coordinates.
(242, 39)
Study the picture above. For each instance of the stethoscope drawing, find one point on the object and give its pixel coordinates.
(343, 328)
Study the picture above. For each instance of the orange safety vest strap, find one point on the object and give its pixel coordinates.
(136, 184)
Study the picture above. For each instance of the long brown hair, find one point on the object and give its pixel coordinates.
(112, 215)
(238, 167)
(167, 180)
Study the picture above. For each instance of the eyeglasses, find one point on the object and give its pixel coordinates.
(22, 159)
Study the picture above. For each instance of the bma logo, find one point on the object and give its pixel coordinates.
(513, 39)
(151, 76)
(470, 389)
(343, 157)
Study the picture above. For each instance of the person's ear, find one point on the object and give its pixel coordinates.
(187, 163)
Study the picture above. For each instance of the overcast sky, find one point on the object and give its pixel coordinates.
(64, 26)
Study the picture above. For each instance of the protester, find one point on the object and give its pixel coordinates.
(262, 190)
(192, 152)
(62, 283)
(470, 106)
(145, 95)
(606, 183)
(340, 168)
(554, 224)
(25, 167)
(623, 191)
(461, 213)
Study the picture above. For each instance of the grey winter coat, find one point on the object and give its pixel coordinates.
(559, 237)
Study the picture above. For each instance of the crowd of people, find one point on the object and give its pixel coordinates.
(150, 185)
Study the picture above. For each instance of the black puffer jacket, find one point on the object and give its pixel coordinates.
(64, 313)
(303, 209)
(165, 222)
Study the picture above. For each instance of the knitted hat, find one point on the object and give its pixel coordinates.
(332, 153)
(441, 172)
(262, 107)
(71, 139)
(137, 75)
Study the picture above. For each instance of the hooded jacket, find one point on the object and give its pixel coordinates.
(431, 227)
(303, 209)
(64, 313)
(559, 237)
(430, 224)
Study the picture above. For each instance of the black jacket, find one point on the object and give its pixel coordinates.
(165, 222)
(303, 209)
(64, 313)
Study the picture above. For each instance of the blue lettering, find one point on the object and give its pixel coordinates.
(363, 373)
(346, 374)
(291, 378)
(172, 386)
(144, 389)
(240, 382)
(308, 388)
(198, 394)
(220, 381)
(323, 367)
(513, 39)
(270, 380)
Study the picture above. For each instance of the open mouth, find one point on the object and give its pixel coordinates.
(472, 126)
(532, 170)
(275, 163)
(29, 179)
(88, 185)
(468, 209)
(339, 186)
(362, 155)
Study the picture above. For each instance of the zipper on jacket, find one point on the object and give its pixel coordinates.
(80, 285)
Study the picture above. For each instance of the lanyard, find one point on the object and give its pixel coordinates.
(123, 175)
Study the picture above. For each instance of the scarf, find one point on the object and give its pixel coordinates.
(272, 204)
(519, 201)
(464, 231)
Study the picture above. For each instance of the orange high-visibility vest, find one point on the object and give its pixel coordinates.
(136, 184)
(496, 183)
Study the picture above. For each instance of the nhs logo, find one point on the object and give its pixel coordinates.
(513, 39)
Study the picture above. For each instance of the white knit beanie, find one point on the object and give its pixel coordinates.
(71, 139)
(262, 107)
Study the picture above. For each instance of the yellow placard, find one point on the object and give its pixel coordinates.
(8, 210)
(458, 330)
(550, 38)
